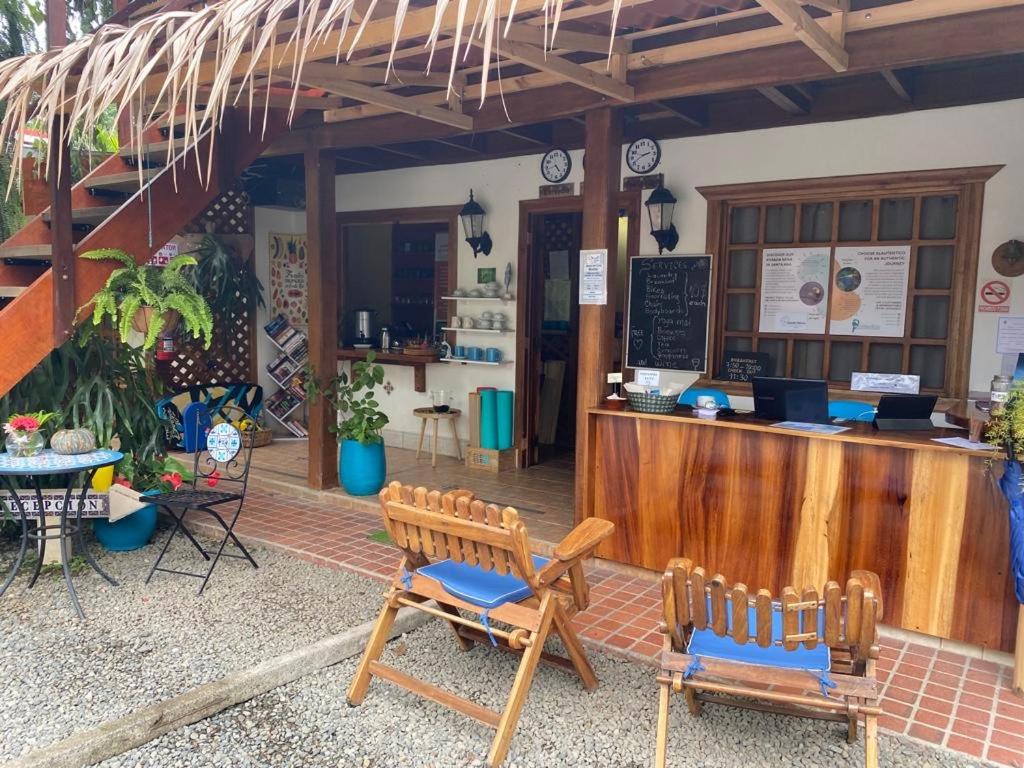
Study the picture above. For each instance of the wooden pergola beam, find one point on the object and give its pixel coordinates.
(810, 32)
(567, 38)
(791, 105)
(690, 112)
(900, 83)
(324, 76)
(566, 70)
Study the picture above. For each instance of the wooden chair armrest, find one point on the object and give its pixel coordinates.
(871, 582)
(582, 539)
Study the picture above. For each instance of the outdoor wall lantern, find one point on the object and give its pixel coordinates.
(660, 206)
(472, 216)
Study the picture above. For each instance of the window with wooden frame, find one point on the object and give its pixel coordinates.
(936, 213)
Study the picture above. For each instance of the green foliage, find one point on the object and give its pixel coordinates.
(223, 278)
(94, 381)
(1006, 425)
(165, 289)
(146, 473)
(353, 399)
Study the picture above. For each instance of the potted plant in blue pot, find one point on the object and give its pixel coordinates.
(362, 466)
(157, 474)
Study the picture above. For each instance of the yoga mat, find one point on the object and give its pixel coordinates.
(489, 419)
(504, 418)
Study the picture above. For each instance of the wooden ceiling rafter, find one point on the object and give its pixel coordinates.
(813, 35)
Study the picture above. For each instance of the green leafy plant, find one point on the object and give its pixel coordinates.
(1006, 425)
(165, 290)
(359, 417)
(222, 277)
(156, 472)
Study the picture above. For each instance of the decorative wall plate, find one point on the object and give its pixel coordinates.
(1008, 258)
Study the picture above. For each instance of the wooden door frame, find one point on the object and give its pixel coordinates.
(629, 201)
(434, 214)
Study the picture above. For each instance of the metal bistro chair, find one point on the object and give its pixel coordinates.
(224, 459)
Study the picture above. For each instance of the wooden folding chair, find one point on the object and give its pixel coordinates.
(804, 654)
(474, 558)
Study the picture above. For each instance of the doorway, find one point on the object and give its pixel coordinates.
(550, 233)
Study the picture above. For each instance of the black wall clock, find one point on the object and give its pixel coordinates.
(556, 165)
(643, 155)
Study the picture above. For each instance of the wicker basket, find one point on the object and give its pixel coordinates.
(258, 437)
(645, 403)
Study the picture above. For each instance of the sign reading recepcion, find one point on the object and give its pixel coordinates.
(794, 290)
(869, 290)
(594, 276)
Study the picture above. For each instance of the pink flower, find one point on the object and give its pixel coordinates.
(174, 478)
(123, 481)
(22, 424)
(213, 479)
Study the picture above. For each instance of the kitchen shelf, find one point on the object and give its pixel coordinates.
(472, 362)
(417, 362)
(477, 298)
(478, 330)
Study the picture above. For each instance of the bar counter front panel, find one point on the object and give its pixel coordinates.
(771, 507)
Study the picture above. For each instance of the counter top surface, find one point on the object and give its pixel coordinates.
(862, 433)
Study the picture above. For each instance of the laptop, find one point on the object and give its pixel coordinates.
(905, 412)
(779, 399)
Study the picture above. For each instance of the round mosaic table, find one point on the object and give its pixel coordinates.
(50, 464)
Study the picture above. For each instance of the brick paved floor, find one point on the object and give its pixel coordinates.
(944, 698)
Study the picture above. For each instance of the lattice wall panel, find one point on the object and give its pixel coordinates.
(231, 356)
(229, 214)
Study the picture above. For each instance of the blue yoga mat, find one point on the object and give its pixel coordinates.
(489, 419)
(505, 410)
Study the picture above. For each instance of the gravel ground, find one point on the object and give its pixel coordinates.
(307, 723)
(143, 643)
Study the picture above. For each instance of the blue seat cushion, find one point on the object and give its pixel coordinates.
(487, 589)
(704, 642)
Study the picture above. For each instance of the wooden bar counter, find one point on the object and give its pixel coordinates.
(770, 507)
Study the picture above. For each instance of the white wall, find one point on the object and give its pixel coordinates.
(984, 134)
(268, 219)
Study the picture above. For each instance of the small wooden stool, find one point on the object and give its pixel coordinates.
(429, 414)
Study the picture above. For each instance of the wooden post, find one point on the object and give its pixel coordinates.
(1018, 656)
(597, 322)
(56, 24)
(322, 279)
(63, 251)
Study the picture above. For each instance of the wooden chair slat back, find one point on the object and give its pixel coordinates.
(692, 601)
(763, 610)
(740, 613)
(833, 598)
(434, 526)
(719, 617)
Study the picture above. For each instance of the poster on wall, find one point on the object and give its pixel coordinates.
(869, 290)
(288, 277)
(794, 290)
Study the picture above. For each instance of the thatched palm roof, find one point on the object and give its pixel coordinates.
(198, 63)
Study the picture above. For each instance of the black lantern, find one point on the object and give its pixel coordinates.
(472, 216)
(660, 206)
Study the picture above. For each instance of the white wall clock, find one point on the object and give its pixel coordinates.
(556, 165)
(643, 155)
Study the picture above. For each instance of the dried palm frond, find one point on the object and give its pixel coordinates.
(165, 66)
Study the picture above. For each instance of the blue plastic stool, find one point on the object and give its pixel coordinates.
(851, 410)
(689, 397)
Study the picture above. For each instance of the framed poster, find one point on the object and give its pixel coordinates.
(794, 290)
(288, 289)
(869, 290)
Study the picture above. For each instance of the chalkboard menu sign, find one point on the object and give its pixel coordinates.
(744, 366)
(667, 327)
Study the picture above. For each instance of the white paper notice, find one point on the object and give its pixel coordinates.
(869, 290)
(1010, 335)
(594, 276)
(794, 290)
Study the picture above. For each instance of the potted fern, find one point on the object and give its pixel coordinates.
(362, 465)
(152, 300)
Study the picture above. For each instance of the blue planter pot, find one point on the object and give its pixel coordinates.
(128, 533)
(362, 468)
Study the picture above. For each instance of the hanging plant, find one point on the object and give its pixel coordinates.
(152, 299)
(223, 278)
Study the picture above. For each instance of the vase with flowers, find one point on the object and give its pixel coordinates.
(24, 438)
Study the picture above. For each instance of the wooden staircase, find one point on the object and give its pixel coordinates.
(109, 210)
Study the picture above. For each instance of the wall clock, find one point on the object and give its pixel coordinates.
(556, 165)
(643, 155)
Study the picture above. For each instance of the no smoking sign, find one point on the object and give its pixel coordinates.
(995, 297)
